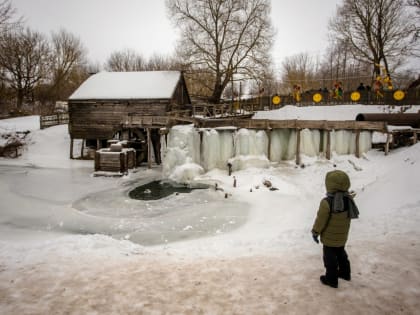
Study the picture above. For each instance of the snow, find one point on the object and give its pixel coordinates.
(18, 124)
(70, 242)
(128, 85)
(331, 112)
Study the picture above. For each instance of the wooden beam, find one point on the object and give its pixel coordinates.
(388, 139)
(82, 149)
(243, 122)
(268, 131)
(328, 150)
(71, 148)
(97, 161)
(298, 160)
(149, 149)
(123, 166)
(358, 144)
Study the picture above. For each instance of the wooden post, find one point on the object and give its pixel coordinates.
(134, 159)
(321, 140)
(388, 139)
(122, 163)
(97, 161)
(298, 147)
(269, 144)
(358, 143)
(149, 149)
(328, 150)
(82, 149)
(415, 137)
(98, 144)
(201, 142)
(71, 148)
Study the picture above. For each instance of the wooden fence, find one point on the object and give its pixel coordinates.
(411, 97)
(53, 120)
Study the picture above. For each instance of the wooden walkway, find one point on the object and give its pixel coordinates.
(325, 126)
(245, 121)
(293, 124)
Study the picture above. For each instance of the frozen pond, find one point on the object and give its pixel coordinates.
(56, 201)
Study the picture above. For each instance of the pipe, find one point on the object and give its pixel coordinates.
(412, 120)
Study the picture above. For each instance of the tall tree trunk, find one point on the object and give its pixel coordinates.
(377, 68)
(217, 93)
(19, 100)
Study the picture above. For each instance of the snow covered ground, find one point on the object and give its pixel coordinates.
(63, 250)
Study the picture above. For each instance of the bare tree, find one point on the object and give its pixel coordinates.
(200, 83)
(7, 13)
(125, 60)
(300, 70)
(160, 62)
(130, 60)
(378, 31)
(265, 84)
(67, 56)
(223, 37)
(416, 5)
(340, 66)
(25, 60)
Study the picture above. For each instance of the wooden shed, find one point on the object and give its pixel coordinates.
(130, 106)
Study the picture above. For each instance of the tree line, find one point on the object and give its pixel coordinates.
(224, 48)
(367, 39)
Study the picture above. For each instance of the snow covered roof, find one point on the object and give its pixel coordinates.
(128, 85)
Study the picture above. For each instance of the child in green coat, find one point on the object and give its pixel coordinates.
(332, 223)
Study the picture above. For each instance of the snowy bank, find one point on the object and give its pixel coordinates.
(53, 260)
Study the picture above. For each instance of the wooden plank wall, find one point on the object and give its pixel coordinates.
(100, 120)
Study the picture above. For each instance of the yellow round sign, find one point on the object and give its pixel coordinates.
(355, 96)
(317, 97)
(399, 95)
(276, 100)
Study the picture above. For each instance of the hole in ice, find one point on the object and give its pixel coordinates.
(160, 189)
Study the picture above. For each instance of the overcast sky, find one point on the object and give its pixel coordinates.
(105, 26)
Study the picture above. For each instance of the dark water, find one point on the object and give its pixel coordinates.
(160, 189)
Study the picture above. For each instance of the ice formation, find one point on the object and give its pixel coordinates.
(181, 154)
(188, 151)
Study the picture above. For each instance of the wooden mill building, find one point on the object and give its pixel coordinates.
(129, 106)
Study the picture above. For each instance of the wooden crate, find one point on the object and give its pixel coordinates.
(109, 161)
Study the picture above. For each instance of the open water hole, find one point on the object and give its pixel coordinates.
(160, 212)
(159, 189)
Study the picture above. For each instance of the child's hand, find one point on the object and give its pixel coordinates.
(315, 238)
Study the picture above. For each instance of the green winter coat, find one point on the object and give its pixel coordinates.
(334, 230)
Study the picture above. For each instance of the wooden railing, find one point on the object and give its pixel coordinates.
(53, 120)
(411, 97)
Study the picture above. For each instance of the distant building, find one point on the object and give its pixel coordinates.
(125, 105)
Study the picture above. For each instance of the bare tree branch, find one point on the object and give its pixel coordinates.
(25, 59)
(378, 31)
(223, 37)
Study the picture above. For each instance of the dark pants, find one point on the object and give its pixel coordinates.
(336, 264)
